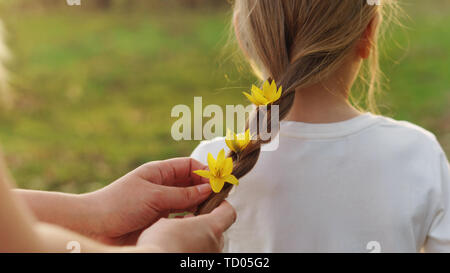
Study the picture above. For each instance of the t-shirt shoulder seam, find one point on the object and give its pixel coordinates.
(427, 135)
(325, 136)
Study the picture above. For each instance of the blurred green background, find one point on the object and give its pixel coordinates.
(94, 85)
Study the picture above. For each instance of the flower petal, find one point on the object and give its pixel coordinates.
(231, 179)
(250, 98)
(203, 173)
(243, 144)
(230, 134)
(227, 167)
(260, 98)
(240, 136)
(268, 90)
(216, 184)
(250, 135)
(278, 94)
(220, 159)
(266, 86)
(212, 164)
(255, 89)
(229, 140)
(273, 87)
(230, 144)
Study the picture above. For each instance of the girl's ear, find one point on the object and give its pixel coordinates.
(365, 42)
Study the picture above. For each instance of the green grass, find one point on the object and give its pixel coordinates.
(94, 90)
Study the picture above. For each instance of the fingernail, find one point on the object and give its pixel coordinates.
(204, 188)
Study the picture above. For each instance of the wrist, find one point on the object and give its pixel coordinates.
(94, 214)
(76, 212)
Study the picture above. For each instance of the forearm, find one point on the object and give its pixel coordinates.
(21, 232)
(72, 211)
(54, 239)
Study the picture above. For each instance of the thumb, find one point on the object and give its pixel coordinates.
(223, 216)
(170, 198)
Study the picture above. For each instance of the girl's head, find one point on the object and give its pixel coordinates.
(302, 42)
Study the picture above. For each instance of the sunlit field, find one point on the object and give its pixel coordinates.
(94, 88)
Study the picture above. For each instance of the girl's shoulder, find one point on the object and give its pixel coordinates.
(405, 133)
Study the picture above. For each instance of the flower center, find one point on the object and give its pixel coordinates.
(219, 172)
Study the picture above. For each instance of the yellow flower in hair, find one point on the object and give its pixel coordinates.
(267, 95)
(237, 143)
(219, 171)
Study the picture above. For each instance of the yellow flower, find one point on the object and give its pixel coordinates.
(219, 171)
(237, 143)
(267, 95)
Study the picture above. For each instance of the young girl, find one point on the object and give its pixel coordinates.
(341, 180)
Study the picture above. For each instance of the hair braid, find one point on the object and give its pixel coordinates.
(245, 162)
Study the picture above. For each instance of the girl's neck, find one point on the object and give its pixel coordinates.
(318, 104)
(327, 101)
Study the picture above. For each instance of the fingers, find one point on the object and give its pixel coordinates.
(173, 172)
(223, 216)
(174, 198)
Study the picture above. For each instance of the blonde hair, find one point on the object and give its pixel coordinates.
(298, 43)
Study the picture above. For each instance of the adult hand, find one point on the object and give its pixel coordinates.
(202, 233)
(143, 196)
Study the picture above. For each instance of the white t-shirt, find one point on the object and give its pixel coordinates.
(368, 183)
